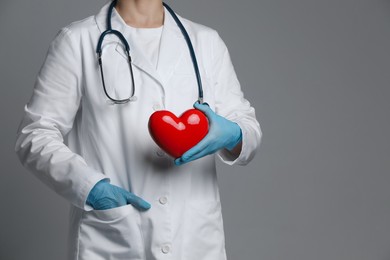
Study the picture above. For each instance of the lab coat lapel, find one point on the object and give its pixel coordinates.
(172, 44)
(172, 47)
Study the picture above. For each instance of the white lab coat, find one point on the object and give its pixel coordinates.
(70, 138)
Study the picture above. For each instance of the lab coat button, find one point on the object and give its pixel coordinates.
(156, 107)
(165, 249)
(163, 200)
(160, 153)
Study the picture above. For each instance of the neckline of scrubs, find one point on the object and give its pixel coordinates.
(138, 28)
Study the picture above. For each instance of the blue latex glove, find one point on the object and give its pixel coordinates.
(222, 133)
(106, 196)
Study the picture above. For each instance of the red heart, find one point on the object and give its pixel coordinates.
(177, 135)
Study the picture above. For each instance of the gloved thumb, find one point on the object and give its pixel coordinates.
(137, 201)
(204, 108)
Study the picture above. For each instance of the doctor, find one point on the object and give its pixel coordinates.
(129, 199)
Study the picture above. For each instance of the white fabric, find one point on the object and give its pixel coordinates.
(148, 39)
(70, 137)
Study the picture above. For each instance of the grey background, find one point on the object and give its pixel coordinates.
(317, 73)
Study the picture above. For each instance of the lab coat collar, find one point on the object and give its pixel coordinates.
(171, 45)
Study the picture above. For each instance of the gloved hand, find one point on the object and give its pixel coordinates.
(106, 196)
(223, 133)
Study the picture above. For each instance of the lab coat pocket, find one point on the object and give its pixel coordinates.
(204, 234)
(111, 234)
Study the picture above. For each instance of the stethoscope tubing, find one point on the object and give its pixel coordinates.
(109, 30)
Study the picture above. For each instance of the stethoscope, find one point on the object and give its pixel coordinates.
(127, 48)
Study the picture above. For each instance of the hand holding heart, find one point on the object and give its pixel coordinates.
(196, 133)
(222, 133)
(176, 135)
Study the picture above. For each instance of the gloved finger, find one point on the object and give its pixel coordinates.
(137, 201)
(196, 149)
(106, 203)
(205, 103)
(205, 109)
(208, 150)
(187, 156)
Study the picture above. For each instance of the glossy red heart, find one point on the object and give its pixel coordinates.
(176, 135)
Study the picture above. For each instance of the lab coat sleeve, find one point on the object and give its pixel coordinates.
(231, 104)
(48, 117)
